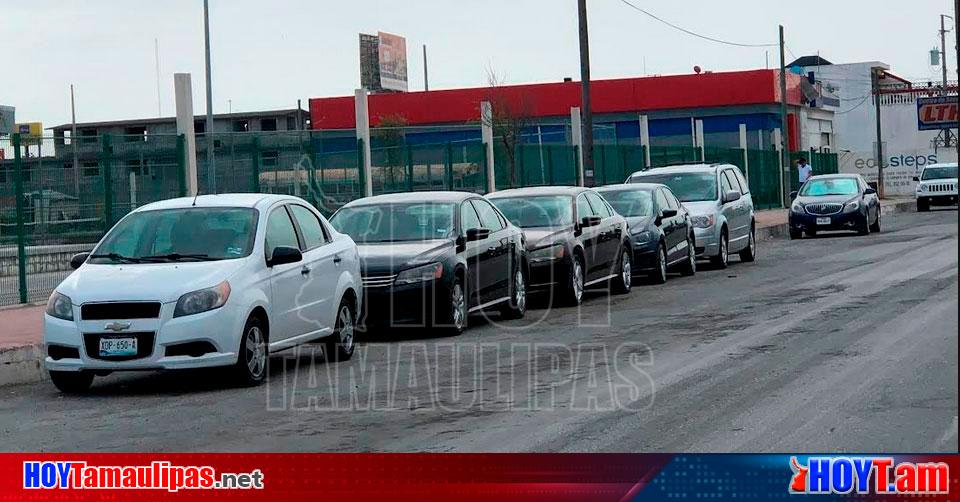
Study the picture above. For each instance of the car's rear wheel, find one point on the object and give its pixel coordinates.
(516, 308)
(573, 292)
(659, 273)
(689, 267)
(340, 345)
(722, 259)
(623, 282)
(749, 254)
(72, 382)
(251, 366)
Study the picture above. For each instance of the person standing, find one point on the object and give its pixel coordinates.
(804, 169)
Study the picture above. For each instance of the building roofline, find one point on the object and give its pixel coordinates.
(162, 120)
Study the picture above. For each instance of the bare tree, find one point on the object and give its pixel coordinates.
(391, 136)
(511, 116)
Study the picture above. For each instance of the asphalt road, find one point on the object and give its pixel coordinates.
(833, 344)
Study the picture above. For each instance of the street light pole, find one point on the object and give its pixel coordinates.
(587, 127)
(784, 131)
(875, 81)
(211, 170)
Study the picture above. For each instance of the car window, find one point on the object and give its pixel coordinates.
(725, 185)
(738, 177)
(662, 201)
(489, 218)
(280, 231)
(674, 203)
(583, 207)
(830, 186)
(939, 172)
(310, 227)
(688, 187)
(631, 202)
(598, 205)
(539, 211)
(468, 217)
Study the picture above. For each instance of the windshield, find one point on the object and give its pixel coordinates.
(830, 186)
(396, 222)
(939, 173)
(180, 235)
(542, 211)
(630, 202)
(688, 187)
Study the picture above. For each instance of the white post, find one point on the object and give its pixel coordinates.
(133, 190)
(760, 141)
(645, 139)
(778, 145)
(183, 92)
(698, 126)
(486, 135)
(363, 134)
(576, 133)
(743, 146)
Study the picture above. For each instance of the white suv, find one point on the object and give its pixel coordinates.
(936, 185)
(220, 280)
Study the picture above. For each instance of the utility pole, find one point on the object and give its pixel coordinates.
(156, 56)
(875, 84)
(75, 143)
(784, 151)
(211, 170)
(426, 76)
(587, 146)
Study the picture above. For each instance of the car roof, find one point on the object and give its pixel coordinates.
(251, 200)
(406, 197)
(834, 176)
(623, 187)
(942, 164)
(534, 191)
(681, 168)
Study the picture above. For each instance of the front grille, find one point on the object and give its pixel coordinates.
(91, 342)
(115, 311)
(942, 187)
(823, 208)
(378, 281)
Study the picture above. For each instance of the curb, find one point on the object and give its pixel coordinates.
(20, 365)
(783, 229)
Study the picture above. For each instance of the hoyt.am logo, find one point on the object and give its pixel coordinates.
(874, 475)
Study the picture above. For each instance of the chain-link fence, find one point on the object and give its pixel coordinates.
(59, 196)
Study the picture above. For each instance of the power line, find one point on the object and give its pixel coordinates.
(689, 32)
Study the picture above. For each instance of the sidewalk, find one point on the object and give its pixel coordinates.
(21, 327)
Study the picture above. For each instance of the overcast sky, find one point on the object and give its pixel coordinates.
(269, 53)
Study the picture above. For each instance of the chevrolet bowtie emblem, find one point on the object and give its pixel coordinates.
(117, 326)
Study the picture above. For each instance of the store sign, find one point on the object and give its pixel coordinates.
(937, 113)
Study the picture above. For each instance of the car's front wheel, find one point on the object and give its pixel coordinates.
(875, 228)
(251, 366)
(516, 307)
(453, 320)
(689, 267)
(795, 233)
(923, 205)
(749, 254)
(722, 259)
(659, 273)
(340, 345)
(865, 224)
(573, 292)
(72, 382)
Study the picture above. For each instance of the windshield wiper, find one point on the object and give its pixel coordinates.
(115, 257)
(179, 257)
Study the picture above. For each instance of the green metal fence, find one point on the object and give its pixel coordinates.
(58, 197)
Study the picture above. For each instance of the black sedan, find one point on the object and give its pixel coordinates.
(834, 202)
(574, 239)
(660, 228)
(431, 258)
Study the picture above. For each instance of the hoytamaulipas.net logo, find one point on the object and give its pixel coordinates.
(159, 475)
(868, 475)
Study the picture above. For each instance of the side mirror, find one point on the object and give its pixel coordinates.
(283, 255)
(668, 213)
(793, 194)
(78, 260)
(916, 178)
(869, 191)
(477, 234)
(731, 196)
(590, 221)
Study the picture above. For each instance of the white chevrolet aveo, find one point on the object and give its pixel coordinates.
(220, 280)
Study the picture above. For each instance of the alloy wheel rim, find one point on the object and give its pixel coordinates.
(692, 256)
(346, 328)
(723, 251)
(625, 270)
(577, 280)
(520, 292)
(457, 305)
(255, 351)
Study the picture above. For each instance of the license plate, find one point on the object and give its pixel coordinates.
(118, 347)
(823, 221)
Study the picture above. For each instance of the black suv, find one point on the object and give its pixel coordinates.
(431, 258)
(574, 239)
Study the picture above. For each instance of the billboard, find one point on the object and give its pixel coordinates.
(369, 62)
(393, 62)
(7, 120)
(937, 113)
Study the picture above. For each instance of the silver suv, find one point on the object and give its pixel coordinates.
(721, 208)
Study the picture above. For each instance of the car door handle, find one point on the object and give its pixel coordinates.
(305, 271)
(337, 259)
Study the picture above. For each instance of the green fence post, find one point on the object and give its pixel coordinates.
(106, 165)
(256, 162)
(360, 174)
(576, 165)
(408, 153)
(311, 171)
(549, 164)
(448, 178)
(21, 237)
(486, 172)
(182, 165)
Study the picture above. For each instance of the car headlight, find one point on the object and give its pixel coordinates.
(60, 306)
(422, 273)
(852, 206)
(642, 237)
(923, 188)
(549, 253)
(203, 300)
(703, 221)
(798, 208)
